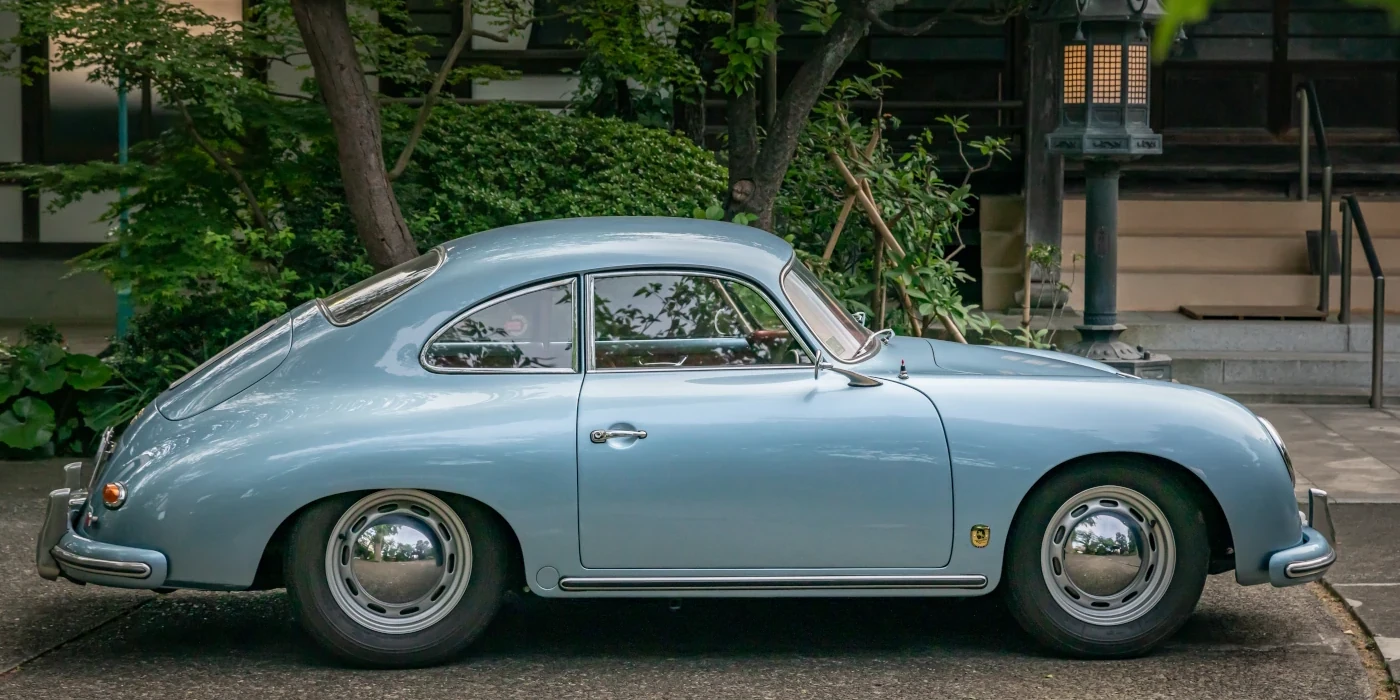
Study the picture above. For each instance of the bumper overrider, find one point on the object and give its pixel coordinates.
(62, 552)
(1311, 559)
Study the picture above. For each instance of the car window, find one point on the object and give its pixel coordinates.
(529, 330)
(687, 320)
(369, 295)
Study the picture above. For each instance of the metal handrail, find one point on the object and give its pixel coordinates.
(1311, 116)
(1351, 214)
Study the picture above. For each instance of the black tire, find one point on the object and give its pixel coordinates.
(1028, 593)
(324, 620)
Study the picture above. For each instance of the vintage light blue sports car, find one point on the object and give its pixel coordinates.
(669, 408)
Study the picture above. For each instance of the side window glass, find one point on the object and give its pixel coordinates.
(533, 330)
(670, 320)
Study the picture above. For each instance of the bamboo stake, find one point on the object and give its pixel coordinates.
(880, 294)
(867, 204)
(840, 224)
(872, 212)
(952, 328)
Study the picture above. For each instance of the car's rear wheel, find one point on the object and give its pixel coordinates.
(395, 578)
(1107, 559)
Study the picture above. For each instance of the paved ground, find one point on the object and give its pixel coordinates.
(1354, 455)
(1242, 643)
(1351, 453)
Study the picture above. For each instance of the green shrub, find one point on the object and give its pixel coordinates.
(52, 402)
(203, 277)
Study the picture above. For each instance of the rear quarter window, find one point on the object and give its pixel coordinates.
(367, 296)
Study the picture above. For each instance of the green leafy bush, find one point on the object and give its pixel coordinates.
(203, 276)
(52, 402)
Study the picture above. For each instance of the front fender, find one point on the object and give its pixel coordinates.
(1006, 433)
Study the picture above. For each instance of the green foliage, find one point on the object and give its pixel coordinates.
(203, 276)
(922, 210)
(631, 64)
(52, 402)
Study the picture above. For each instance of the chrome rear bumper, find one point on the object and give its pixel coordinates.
(62, 552)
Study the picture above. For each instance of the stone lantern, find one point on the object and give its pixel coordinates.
(1105, 65)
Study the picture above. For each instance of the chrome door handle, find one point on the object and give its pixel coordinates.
(602, 436)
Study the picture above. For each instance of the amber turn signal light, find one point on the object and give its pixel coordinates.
(113, 495)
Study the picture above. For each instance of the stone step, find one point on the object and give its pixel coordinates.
(1253, 254)
(1182, 334)
(1168, 290)
(1311, 369)
(1224, 218)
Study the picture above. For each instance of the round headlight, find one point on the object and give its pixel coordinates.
(1282, 449)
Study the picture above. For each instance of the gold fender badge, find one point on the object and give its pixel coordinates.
(981, 536)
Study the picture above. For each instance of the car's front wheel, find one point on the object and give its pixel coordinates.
(395, 578)
(1107, 560)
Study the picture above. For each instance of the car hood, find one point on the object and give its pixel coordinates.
(1010, 361)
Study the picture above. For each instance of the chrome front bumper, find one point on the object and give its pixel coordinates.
(1311, 559)
(62, 552)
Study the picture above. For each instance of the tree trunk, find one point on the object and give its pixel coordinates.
(761, 184)
(354, 113)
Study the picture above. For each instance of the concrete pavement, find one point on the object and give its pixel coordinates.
(1354, 455)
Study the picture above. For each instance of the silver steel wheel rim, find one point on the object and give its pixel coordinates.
(398, 561)
(1108, 555)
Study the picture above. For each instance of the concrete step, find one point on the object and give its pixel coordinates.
(1172, 335)
(1168, 290)
(1226, 218)
(1252, 254)
(1312, 369)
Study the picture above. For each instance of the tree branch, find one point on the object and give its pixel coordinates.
(873, 15)
(796, 104)
(426, 109)
(258, 216)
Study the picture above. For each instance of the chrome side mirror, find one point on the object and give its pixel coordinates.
(854, 378)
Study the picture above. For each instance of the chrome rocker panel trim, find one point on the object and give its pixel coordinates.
(92, 565)
(769, 583)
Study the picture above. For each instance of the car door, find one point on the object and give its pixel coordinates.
(706, 442)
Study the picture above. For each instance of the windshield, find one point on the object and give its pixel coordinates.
(836, 330)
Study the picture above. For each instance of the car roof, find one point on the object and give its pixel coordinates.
(483, 264)
(576, 245)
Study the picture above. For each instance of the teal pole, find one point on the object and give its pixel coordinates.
(123, 288)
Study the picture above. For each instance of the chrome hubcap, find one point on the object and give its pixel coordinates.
(398, 561)
(1108, 555)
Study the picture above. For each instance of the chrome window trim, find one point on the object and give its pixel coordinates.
(571, 280)
(875, 350)
(326, 312)
(590, 360)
